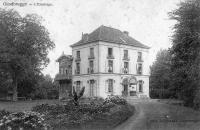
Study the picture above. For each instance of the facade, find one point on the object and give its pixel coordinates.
(64, 77)
(110, 62)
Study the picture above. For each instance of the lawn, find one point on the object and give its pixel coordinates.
(24, 105)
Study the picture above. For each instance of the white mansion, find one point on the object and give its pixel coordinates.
(110, 62)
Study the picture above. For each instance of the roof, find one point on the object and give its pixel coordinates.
(108, 34)
(64, 56)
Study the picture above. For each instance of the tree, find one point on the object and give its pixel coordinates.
(24, 46)
(160, 77)
(46, 88)
(186, 50)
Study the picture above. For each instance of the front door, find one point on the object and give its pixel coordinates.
(92, 88)
(132, 90)
(125, 91)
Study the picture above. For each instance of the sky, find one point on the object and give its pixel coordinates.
(146, 21)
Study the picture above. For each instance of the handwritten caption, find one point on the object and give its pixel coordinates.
(23, 4)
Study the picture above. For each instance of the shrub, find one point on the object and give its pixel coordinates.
(116, 100)
(26, 120)
(3, 113)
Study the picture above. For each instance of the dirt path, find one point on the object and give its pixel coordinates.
(153, 115)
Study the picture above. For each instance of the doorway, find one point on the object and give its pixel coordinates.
(125, 87)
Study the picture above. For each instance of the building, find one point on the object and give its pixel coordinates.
(110, 62)
(64, 77)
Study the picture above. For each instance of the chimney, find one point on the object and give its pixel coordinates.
(126, 32)
(85, 37)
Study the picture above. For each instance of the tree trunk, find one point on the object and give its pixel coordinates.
(14, 89)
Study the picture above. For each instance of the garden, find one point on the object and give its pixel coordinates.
(84, 114)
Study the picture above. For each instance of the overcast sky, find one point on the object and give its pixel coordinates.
(146, 20)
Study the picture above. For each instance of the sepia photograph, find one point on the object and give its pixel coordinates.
(99, 65)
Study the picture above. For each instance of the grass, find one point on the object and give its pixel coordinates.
(24, 105)
(170, 117)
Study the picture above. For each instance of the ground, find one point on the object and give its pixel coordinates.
(155, 115)
(150, 115)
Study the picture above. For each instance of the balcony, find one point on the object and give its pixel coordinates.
(125, 70)
(139, 72)
(110, 57)
(77, 59)
(140, 60)
(126, 58)
(63, 77)
(110, 69)
(91, 57)
(90, 70)
(76, 72)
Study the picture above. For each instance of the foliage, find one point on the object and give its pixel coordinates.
(160, 77)
(186, 51)
(26, 120)
(69, 115)
(77, 96)
(3, 113)
(24, 46)
(116, 100)
(46, 88)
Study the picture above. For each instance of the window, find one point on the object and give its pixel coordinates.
(91, 52)
(77, 68)
(78, 86)
(91, 68)
(125, 54)
(78, 55)
(92, 92)
(60, 70)
(140, 86)
(139, 69)
(66, 71)
(139, 56)
(125, 67)
(110, 52)
(110, 66)
(110, 85)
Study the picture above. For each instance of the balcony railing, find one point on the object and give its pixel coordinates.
(110, 69)
(140, 60)
(125, 70)
(110, 57)
(90, 70)
(77, 59)
(76, 71)
(139, 71)
(63, 76)
(126, 58)
(91, 57)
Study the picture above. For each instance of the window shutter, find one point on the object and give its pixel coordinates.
(106, 86)
(136, 69)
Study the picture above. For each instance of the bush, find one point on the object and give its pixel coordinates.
(3, 113)
(116, 100)
(25, 120)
